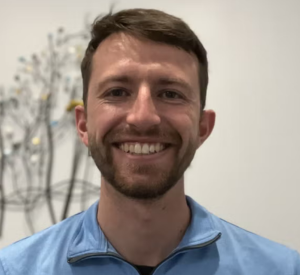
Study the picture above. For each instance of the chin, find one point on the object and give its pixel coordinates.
(143, 187)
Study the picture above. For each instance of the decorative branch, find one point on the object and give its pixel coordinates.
(34, 122)
(2, 166)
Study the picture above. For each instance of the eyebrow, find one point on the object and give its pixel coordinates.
(174, 81)
(114, 78)
(163, 81)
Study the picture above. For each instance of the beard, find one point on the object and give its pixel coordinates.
(140, 181)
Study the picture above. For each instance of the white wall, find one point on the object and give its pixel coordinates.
(248, 171)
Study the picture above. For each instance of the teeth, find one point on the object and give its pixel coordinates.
(142, 149)
(157, 147)
(131, 148)
(137, 148)
(145, 149)
(126, 147)
(152, 148)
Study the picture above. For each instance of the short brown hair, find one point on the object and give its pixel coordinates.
(151, 24)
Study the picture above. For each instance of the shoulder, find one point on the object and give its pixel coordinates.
(31, 252)
(252, 249)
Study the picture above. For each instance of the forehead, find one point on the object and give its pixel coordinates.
(122, 53)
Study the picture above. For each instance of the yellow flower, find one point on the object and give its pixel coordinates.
(36, 141)
(73, 103)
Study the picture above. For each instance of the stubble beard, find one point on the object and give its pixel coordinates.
(124, 179)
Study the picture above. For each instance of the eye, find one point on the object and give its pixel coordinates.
(117, 92)
(170, 95)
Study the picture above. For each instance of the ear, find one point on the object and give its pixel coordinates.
(206, 125)
(81, 124)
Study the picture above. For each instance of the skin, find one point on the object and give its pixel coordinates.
(143, 210)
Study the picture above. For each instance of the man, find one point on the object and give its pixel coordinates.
(145, 76)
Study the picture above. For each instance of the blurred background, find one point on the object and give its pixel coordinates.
(247, 173)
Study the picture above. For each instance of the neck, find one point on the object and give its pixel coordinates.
(143, 233)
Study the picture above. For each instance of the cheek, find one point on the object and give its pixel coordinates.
(187, 127)
(102, 119)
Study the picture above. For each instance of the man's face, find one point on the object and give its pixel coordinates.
(142, 122)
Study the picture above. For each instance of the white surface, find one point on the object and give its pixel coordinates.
(248, 171)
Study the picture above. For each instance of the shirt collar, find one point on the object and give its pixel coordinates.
(201, 229)
(89, 238)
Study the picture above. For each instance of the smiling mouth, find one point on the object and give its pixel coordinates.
(136, 148)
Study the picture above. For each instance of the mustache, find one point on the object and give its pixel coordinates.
(156, 132)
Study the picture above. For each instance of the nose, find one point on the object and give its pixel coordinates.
(143, 114)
